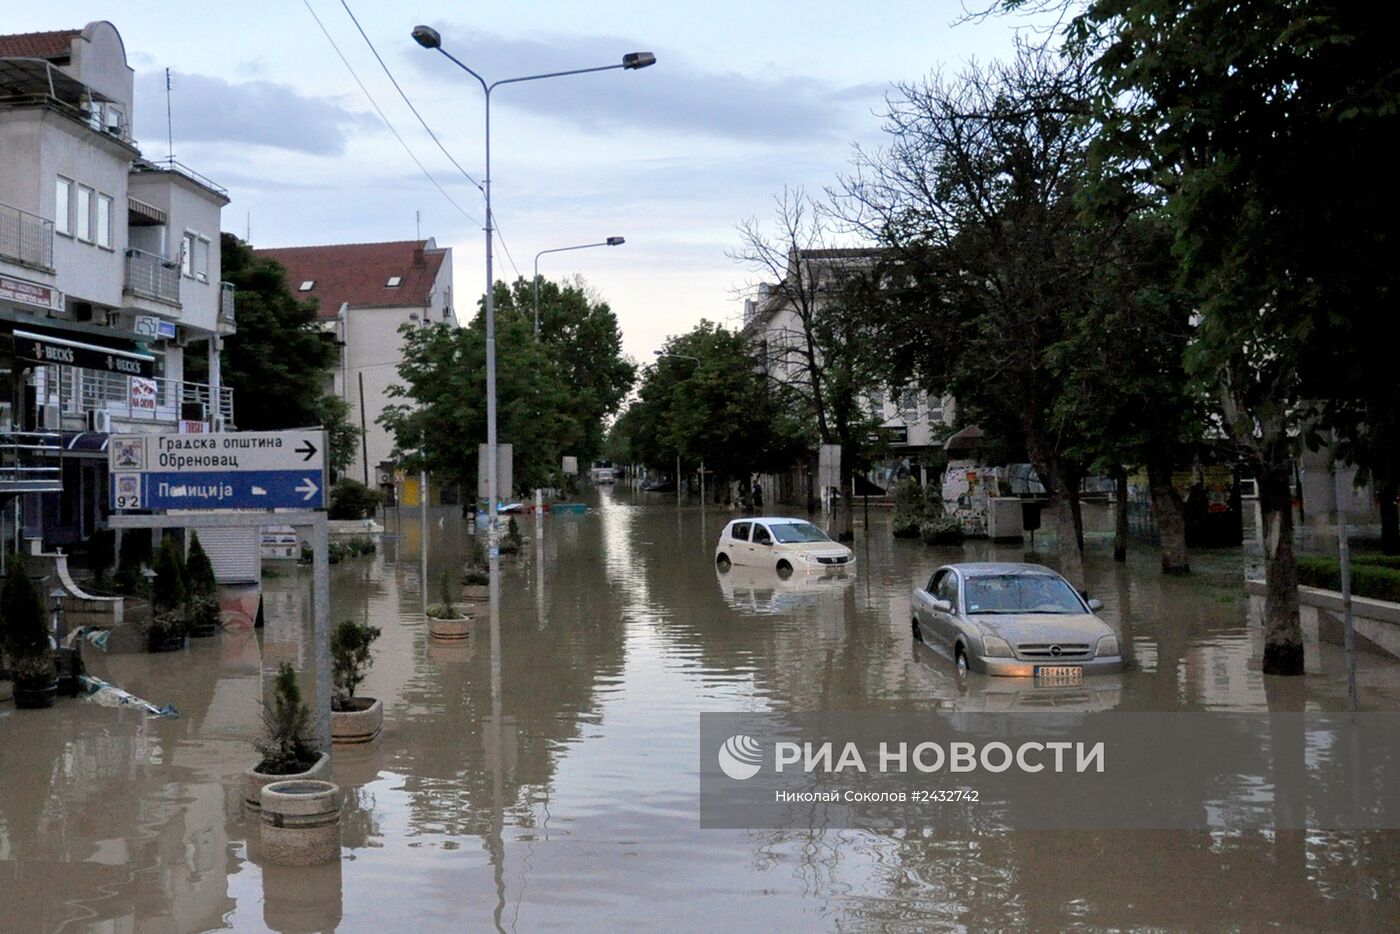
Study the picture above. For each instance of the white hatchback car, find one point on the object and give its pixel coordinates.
(782, 544)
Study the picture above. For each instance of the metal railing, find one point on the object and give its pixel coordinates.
(226, 302)
(26, 238)
(134, 398)
(171, 164)
(29, 462)
(151, 276)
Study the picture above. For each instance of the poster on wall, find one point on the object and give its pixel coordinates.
(143, 394)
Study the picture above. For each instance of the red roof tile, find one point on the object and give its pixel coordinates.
(54, 44)
(358, 273)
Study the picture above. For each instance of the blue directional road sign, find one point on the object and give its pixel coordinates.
(226, 470)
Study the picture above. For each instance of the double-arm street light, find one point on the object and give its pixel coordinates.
(611, 241)
(429, 38)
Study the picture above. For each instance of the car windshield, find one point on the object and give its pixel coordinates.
(1021, 593)
(790, 532)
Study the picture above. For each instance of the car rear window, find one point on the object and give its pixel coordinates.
(740, 531)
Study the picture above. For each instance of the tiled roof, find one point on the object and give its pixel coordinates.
(54, 44)
(358, 273)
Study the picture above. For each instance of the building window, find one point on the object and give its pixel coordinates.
(84, 219)
(201, 259)
(63, 206)
(104, 221)
(187, 255)
(394, 282)
(307, 285)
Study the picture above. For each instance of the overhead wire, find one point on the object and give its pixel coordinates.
(385, 118)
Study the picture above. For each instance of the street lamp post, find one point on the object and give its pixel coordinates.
(611, 241)
(685, 356)
(429, 38)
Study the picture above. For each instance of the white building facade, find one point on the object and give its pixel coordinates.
(365, 293)
(109, 273)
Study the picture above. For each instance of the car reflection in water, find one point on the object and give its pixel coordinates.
(971, 691)
(762, 591)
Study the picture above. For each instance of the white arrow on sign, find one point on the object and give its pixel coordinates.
(307, 487)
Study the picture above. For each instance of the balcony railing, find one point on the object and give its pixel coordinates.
(29, 462)
(226, 303)
(138, 399)
(151, 276)
(26, 238)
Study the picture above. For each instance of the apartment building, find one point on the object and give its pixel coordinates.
(109, 282)
(365, 293)
(910, 421)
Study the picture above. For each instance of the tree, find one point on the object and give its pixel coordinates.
(1267, 138)
(991, 259)
(717, 409)
(820, 350)
(442, 417)
(279, 361)
(583, 334)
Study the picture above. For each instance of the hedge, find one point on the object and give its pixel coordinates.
(1368, 578)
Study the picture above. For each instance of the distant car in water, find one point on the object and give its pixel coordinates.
(603, 472)
(1013, 619)
(783, 544)
(659, 486)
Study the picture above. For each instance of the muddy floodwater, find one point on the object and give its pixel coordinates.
(553, 783)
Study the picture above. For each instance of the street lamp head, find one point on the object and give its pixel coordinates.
(631, 61)
(427, 37)
(616, 241)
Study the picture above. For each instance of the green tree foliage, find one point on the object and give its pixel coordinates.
(168, 588)
(278, 361)
(552, 395)
(351, 499)
(717, 408)
(203, 597)
(1267, 136)
(350, 659)
(286, 746)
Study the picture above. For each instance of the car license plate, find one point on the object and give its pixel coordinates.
(1059, 674)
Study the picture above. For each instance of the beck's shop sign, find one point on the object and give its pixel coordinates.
(44, 348)
(34, 294)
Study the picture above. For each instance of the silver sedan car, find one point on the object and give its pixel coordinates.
(1014, 619)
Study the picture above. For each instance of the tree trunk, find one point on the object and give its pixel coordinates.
(1071, 558)
(1390, 517)
(1170, 513)
(845, 524)
(1283, 633)
(1071, 478)
(1120, 513)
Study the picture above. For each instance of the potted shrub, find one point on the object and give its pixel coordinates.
(446, 622)
(169, 622)
(510, 544)
(203, 596)
(287, 750)
(353, 719)
(941, 530)
(477, 574)
(27, 640)
(910, 508)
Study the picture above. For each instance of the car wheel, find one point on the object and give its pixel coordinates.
(784, 570)
(918, 636)
(723, 563)
(960, 659)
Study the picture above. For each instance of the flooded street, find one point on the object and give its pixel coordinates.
(554, 782)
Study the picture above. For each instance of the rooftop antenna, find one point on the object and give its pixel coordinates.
(248, 228)
(169, 130)
(418, 225)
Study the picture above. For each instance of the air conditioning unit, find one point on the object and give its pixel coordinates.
(113, 122)
(182, 337)
(51, 418)
(100, 420)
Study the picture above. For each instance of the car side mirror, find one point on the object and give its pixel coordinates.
(1095, 605)
(942, 606)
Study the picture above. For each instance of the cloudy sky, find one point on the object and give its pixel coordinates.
(745, 98)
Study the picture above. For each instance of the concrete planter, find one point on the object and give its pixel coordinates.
(1377, 622)
(35, 695)
(300, 822)
(253, 780)
(448, 631)
(476, 593)
(350, 727)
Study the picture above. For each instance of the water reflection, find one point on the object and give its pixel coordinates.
(545, 773)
